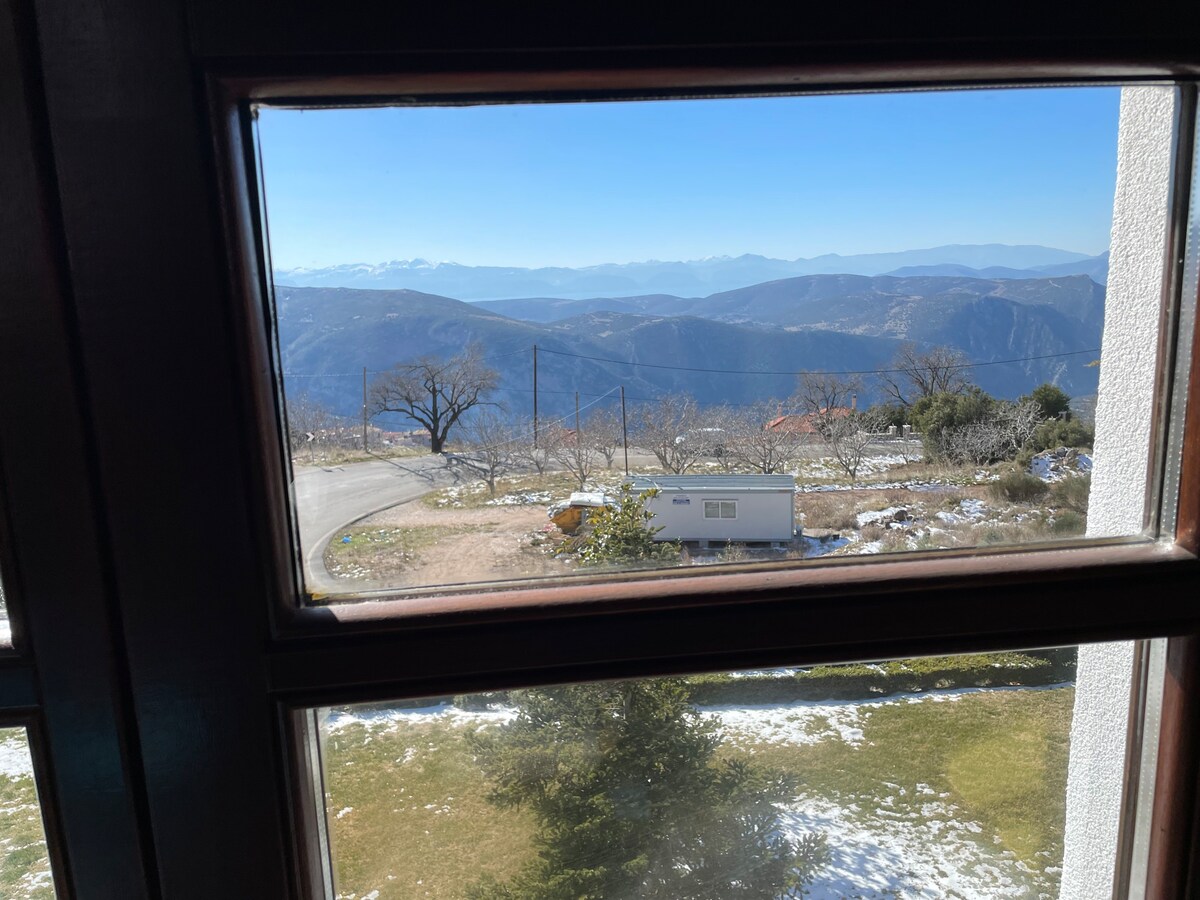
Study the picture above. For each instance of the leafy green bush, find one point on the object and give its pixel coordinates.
(938, 415)
(1057, 433)
(1053, 401)
(1018, 487)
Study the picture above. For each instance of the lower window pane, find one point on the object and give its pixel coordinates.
(925, 777)
(5, 628)
(24, 861)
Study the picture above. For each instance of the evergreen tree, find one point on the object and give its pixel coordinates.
(621, 534)
(632, 804)
(1053, 402)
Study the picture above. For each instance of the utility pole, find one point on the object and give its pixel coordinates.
(624, 432)
(577, 434)
(364, 409)
(535, 416)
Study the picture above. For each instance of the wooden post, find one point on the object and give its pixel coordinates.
(535, 409)
(364, 409)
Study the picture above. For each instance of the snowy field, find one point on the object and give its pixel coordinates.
(913, 844)
(24, 863)
(888, 842)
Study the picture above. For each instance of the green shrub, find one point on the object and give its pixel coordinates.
(1052, 401)
(1018, 487)
(1057, 433)
(622, 534)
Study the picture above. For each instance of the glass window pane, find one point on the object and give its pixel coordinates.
(5, 628)
(920, 777)
(24, 860)
(870, 345)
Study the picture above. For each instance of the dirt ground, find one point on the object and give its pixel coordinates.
(498, 546)
(502, 543)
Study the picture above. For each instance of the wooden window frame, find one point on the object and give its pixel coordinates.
(160, 687)
(687, 623)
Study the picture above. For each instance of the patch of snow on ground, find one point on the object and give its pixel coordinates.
(814, 547)
(15, 761)
(878, 515)
(392, 719)
(928, 487)
(1055, 465)
(927, 853)
(969, 510)
(812, 721)
(527, 498)
(801, 722)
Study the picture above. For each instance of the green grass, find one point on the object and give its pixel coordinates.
(421, 825)
(1000, 756)
(384, 551)
(24, 864)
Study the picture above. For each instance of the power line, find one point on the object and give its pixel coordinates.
(626, 362)
(643, 365)
(358, 374)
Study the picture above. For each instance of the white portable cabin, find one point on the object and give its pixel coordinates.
(704, 508)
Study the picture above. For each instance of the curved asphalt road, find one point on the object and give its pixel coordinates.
(328, 498)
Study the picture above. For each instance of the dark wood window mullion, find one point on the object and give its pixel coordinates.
(66, 685)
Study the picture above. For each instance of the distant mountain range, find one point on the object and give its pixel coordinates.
(817, 322)
(696, 278)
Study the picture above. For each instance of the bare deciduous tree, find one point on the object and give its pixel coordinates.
(830, 403)
(824, 396)
(435, 392)
(537, 455)
(578, 455)
(490, 451)
(603, 429)
(720, 432)
(850, 439)
(309, 423)
(755, 445)
(999, 435)
(917, 374)
(664, 428)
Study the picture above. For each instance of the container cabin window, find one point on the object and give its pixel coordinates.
(492, 318)
(720, 509)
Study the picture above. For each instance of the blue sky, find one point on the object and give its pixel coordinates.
(580, 184)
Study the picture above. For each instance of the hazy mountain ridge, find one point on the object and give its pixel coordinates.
(693, 278)
(829, 323)
(882, 306)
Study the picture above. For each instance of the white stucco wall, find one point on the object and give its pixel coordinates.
(1137, 263)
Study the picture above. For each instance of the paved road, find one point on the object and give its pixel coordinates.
(329, 498)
